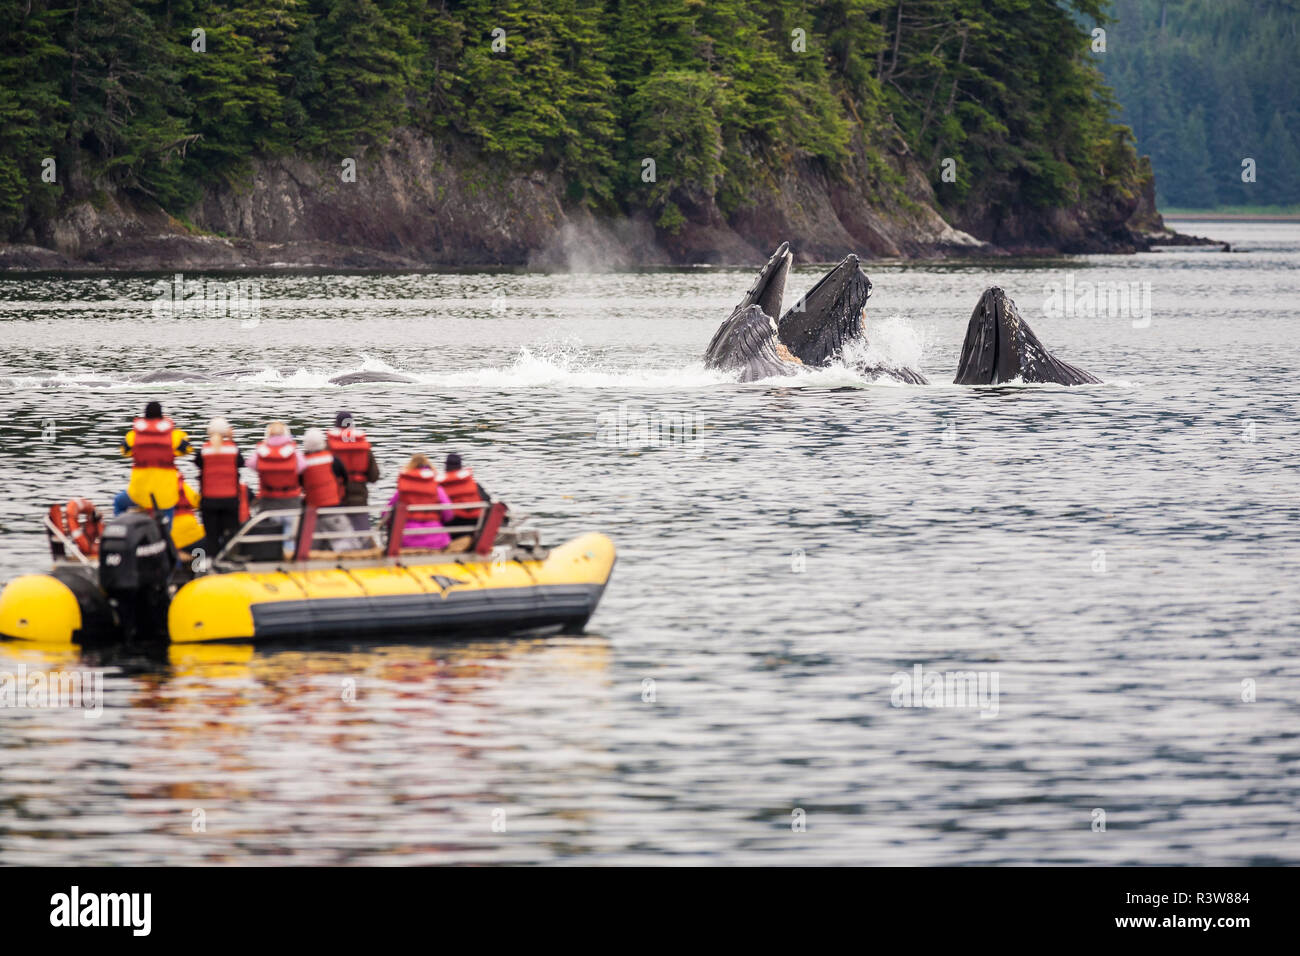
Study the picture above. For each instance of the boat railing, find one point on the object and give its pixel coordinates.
(300, 530)
(481, 540)
(70, 548)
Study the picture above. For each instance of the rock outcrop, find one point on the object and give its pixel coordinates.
(422, 202)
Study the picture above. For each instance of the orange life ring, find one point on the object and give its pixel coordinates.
(80, 523)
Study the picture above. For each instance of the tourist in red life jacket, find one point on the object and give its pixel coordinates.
(417, 484)
(350, 445)
(219, 460)
(460, 485)
(278, 463)
(153, 444)
(323, 481)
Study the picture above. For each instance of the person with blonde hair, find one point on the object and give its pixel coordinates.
(219, 461)
(417, 484)
(278, 464)
(323, 481)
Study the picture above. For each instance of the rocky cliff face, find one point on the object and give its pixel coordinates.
(889, 215)
(422, 203)
(1112, 222)
(435, 203)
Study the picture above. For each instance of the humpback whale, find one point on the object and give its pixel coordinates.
(1000, 346)
(832, 316)
(347, 378)
(817, 330)
(172, 375)
(813, 333)
(747, 340)
(358, 378)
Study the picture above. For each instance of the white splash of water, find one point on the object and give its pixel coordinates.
(549, 365)
(570, 366)
(892, 341)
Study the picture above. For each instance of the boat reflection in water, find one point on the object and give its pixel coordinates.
(223, 753)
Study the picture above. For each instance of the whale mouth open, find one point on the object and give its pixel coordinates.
(746, 340)
(814, 332)
(1001, 347)
(768, 289)
(829, 315)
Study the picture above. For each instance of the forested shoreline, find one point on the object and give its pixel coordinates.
(680, 115)
(1207, 85)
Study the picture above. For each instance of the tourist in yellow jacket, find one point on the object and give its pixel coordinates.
(153, 444)
(187, 533)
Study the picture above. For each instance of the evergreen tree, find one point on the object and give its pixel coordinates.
(33, 111)
(1233, 65)
(724, 95)
(365, 68)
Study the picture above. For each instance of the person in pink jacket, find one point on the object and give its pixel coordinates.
(417, 484)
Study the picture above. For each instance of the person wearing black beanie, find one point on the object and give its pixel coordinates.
(460, 485)
(153, 444)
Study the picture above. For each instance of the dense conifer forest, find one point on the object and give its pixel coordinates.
(159, 99)
(1205, 85)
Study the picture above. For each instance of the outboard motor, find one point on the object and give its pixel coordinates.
(136, 560)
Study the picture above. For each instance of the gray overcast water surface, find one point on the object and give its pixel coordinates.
(1122, 558)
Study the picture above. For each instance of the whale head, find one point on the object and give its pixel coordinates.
(746, 341)
(768, 289)
(1001, 347)
(829, 316)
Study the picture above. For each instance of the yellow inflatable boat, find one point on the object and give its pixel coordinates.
(509, 587)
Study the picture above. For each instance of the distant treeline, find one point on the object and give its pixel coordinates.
(1206, 84)
(722, 94)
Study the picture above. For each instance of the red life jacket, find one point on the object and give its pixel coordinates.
(183, 506)
(350, 446)
(318, 481)
(152, 447)
(419, 487)
(244, 511)
(220, 478)
(277, 471)
(460, 486)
